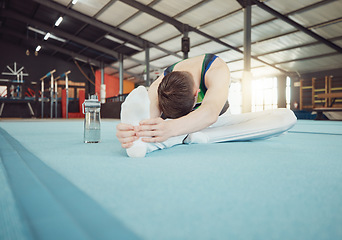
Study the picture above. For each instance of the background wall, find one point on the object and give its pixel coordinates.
(38, 66)
(112, 85)
(337, 73)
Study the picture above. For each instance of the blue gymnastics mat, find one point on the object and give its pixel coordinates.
(54, 186)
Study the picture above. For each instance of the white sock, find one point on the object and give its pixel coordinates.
(136, 108)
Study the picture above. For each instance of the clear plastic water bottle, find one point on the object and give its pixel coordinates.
(92, 121)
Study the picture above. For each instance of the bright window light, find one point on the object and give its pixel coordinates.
(47, 36)
(235, 98)
(38, 48)
(288, 92)
(59, 20)
(264, 94)
(74, 2)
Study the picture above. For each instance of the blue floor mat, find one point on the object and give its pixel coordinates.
(287, 187)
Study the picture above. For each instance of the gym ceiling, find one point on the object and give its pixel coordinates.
(287, 37)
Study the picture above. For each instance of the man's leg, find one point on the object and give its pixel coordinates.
(246, 126)
(136, 108)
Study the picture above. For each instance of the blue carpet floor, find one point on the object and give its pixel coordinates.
(54, 186)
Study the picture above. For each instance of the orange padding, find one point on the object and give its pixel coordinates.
(81, 98)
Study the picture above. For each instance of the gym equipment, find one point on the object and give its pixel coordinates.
(13, 91)
(76, 91)
(321, 95)
(66, 89)
(15, 85)
(53, 93)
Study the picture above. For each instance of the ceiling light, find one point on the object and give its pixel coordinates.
(44, 33)
(36, 30)
(74, 2)
(114, 39)
(133, 46)
(80, 59)
(38, 48)
(47, 36)
(59, 20)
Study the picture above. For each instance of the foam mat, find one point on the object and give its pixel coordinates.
(287, 187)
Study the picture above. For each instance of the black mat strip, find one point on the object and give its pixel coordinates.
(338, 134)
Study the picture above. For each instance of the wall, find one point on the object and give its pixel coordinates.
(112, 85)
(38, 66)
(337, 73)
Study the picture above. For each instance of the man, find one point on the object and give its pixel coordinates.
(188, 104)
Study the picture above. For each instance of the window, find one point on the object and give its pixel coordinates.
(264, 94)
(288, 92)
(235, 97)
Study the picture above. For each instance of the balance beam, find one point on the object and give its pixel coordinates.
(329, 96)
(325, 109)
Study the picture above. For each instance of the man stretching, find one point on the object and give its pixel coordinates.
(188, 104)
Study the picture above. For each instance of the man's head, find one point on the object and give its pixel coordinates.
(176, 94)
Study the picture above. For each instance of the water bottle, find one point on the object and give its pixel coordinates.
(92, 122)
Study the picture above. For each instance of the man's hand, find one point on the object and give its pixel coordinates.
(154, 130)
(126, 134)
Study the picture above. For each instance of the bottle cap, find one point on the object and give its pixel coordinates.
(93, 102)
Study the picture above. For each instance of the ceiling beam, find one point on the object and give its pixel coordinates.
(315, 42)
(165, 18)
(19, 17)
(181, 26)
(138, 13)
(244, 3)
(102, 10)
(300, 10)
(297, 11)
(44, 27)
(297, 26)
(177, 24)
(309, 58)
(94, 22)
(83, 18)
(86, 24)
(296, 60)
(72, 54)
(185, 11)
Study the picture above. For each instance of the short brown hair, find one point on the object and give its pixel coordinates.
(176, 94)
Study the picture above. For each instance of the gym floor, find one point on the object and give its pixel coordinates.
(54, 186)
